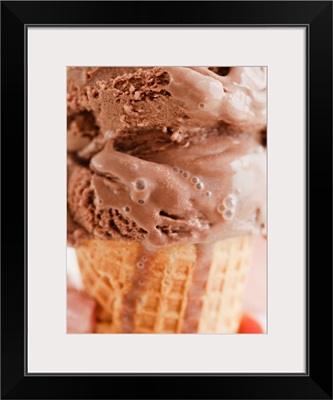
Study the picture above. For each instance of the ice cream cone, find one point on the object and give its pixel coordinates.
(176, 289)
(162, 158)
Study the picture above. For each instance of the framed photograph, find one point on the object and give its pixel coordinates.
(165, 154)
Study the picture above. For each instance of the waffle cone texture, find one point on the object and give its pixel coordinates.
(178, 289)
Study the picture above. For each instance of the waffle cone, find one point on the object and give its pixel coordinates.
(177, 289)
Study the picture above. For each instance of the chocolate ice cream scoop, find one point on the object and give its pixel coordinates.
(177, 103)
(200, 193)
(166, 155)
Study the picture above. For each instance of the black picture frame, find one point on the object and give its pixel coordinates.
(316, 383)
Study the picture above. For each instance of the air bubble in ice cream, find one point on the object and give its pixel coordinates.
(208, 194)
(141, 201)
(228, 214)
(140, 184)
(230, 201)
(199, 186)
(127, 209)
(134, 167)
(185, 174)
(176, 169)
(220, 208)
(195, 180)
(140, 265)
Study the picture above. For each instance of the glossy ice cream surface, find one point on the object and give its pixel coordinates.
(166, 155)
